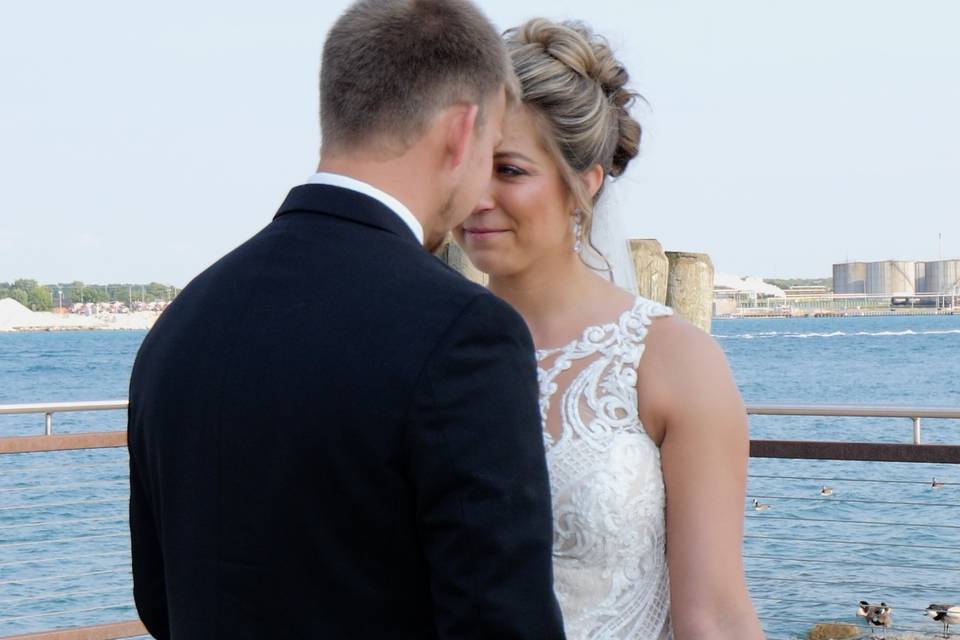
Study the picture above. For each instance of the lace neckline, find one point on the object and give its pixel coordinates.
(606, 387)
(604, 328)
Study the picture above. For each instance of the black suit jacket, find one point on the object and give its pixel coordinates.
(334, 435)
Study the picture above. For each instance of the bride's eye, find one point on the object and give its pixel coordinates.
(509, 171)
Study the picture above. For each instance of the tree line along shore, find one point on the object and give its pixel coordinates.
(46, 297)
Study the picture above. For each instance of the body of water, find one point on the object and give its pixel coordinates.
(898, 537)
(64, 543)
(63, 538)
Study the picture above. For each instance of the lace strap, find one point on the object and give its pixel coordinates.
(624, 338)
(651, 309)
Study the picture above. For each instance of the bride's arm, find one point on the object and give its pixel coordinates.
(689, 397)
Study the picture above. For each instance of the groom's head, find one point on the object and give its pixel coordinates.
(412, 94)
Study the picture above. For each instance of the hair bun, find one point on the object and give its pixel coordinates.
(589, 56)
(628, 144)
(613, 78)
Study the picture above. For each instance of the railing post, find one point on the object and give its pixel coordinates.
(916, 431)
(48, 424)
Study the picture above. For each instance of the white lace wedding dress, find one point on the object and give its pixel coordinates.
(609, 557)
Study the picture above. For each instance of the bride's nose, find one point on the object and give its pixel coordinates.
(485, 203)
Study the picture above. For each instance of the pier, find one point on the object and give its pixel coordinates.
(734, 304)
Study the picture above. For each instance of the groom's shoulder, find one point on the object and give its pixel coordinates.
(440, 291)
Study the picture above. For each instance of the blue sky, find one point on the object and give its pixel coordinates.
(140, 141)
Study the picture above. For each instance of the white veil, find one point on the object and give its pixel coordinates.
(609, 237)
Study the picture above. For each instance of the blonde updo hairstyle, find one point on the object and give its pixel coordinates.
(577, 91)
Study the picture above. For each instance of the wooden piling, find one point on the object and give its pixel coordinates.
(651, 267)
(453, 255)
(690, 287)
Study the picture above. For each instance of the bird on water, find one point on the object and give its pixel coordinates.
(826, 491)
(877, 615)
(946, 614)
(863, 609)
(759, 506)
(936, 485)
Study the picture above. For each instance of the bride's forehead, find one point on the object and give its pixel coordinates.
(522, 130)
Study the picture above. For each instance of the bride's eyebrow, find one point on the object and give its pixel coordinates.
(514, 155)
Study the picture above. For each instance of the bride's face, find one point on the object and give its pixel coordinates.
(525, 214)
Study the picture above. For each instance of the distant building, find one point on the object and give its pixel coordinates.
(806, 291)
(940, 276)
(891, 277)
(850, 278)
(897, 277)
(731, 293)
(729, 284)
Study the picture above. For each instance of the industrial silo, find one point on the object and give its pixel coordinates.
(921, 277)
(849, 278)
(903, 277)
(877, 278)
(891, 277)
(942, 276)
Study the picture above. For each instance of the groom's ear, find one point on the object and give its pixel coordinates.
(461, 120)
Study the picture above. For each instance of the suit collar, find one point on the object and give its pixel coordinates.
(346, 204)
(354, 184)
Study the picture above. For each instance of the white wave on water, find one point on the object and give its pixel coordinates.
(834, 334)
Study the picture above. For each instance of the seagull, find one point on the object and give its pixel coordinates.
(826, 491)
(948, 614)
(759, 506)
(936, 485)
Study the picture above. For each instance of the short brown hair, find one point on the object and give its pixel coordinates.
(390, 65)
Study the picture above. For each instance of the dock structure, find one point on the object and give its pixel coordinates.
(830, 305)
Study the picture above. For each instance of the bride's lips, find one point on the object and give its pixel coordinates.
(477, 233)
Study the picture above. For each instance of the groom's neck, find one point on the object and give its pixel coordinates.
(396, 176)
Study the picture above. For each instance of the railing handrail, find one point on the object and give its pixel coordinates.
(833, 410)
(764, 409)
(62, 407)
(853, 410)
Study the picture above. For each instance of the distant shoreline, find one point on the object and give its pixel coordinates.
(43, 329)
(16, 318)
(811, 316)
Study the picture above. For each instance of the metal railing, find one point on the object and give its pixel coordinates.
(825, 527)
(51, 442)
(111, 565)
(50, 408)
(788, 506)
(914, 414)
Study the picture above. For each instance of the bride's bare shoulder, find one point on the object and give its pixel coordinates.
(681, 363)
(673, 338)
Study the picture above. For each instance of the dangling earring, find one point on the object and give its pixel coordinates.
(578, 231)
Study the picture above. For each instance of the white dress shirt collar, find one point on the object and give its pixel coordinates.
(346, 182)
